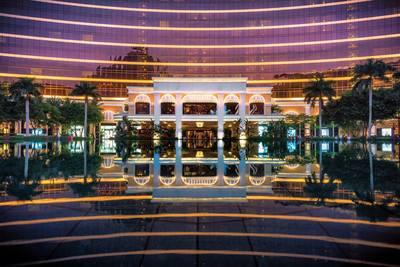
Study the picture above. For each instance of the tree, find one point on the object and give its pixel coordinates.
(316, 92)
(72, 114)
(87, 188)
(44, 114)
(87, 90)
(317, 188)
(25, 89)
(352, 167)
(363, 79)
(276, 130)
(4, 103)
(56, 115)
(299, 120)
(351, 113)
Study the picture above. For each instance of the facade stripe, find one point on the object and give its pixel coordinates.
(64, 78)
(176, 46)
(196, 64)
(180, 11)
(159, 28)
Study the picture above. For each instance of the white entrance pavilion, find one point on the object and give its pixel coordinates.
(200, 107)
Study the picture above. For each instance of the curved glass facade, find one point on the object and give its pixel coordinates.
(121, 43)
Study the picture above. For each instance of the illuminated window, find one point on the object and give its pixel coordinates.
(386, 147)
(325, 147)
(291, 146)
(386, 132)
(324, 132)
(291, 132)
(262, 129)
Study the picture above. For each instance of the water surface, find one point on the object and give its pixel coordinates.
(200, 203)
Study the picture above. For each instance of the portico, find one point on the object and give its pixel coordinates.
(200, 107)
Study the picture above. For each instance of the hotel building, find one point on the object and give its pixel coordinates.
(204, 108)
(266, 51)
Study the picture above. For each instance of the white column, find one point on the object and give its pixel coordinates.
(373, 130)
(307, 130)
(178, 162)
(220, 114)
(178, 116)
(220, 163)
(267, 109)
(242, 113)
(242, 167)
(157, 108)
(242, 106)
(131, 109)
(156, 169)
(17, 127)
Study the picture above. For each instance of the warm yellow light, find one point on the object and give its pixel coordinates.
(199, 124)
(156, 10)
(187, 64)
(63, 78)
(199, 154)
(75, 238)
(394, 224)
(160, 28)
(343, 78)
(177, 46)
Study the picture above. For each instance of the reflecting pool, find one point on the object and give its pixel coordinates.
(200, 203)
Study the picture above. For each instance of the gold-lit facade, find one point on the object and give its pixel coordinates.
(115, 45)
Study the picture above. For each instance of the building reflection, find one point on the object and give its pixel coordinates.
(230, 172)
(188, 171)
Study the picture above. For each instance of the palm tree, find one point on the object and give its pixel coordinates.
(25, 89)
(86, 90)
(317, 188)
(316, 92)
(363, 79)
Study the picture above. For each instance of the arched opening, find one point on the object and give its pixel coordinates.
(142, 105)
(199, 105)
(257, 105)
(167, 105)
(231, 105)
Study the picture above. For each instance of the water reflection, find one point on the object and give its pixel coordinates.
(366, 175)
(252, 200)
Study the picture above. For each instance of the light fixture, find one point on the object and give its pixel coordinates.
(199, 154)
(199, 124)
